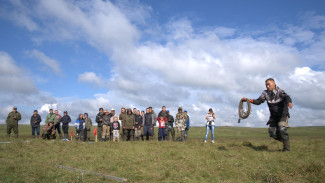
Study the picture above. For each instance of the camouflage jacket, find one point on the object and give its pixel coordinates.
(89, 123)
(13, 118)
(50, 117)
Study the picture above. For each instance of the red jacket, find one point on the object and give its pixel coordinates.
(162, 123)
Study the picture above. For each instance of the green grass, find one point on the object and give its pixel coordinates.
(239, 155)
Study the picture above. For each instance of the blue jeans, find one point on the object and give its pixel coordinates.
(37, 130)
(207, 132)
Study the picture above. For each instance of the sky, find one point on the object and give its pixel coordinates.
(82, 55)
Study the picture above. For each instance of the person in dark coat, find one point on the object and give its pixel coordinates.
(99, 120)
(35, 121)
(65, 124)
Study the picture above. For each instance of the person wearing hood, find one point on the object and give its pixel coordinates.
(65, 124)
(180, 122)
(138, 125)
(99, 120)
(12, 122)
(88, 125)
(129, 124)
(35, 121)
(106, 126)
(80, 125)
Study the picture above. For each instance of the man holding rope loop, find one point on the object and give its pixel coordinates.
(278, 102)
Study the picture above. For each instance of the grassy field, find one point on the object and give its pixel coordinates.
(239, 155)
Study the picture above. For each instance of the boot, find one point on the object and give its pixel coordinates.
(286, 145)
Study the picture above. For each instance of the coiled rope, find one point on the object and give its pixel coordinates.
(244, 113)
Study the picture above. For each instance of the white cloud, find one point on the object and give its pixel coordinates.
(53, 64)
(91, 77)
(189, 67)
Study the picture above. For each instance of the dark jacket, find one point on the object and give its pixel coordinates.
(35, 120)
(13, 118)
(116, 125)
(66, 120)
(163, 113)
(148, 119)
(170, 120)
(138, 120)
(98, 117)
(277, 101)
(106, 120)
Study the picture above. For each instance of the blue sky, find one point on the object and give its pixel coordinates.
(82, 55)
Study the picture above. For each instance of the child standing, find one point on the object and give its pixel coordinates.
(162, 123)
(116, 130)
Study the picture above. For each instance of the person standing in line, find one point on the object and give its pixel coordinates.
(65, 124)
(170, 128)
(187, 129)
(138, 125)
(50, 117)
(35, 121)
(148, 125)
(12, 122)
(122, 119)
(162, 121)
(58, 122)
(88, 125)
(106, 126)
(99, 120)
(129, 124)
(80, 125)
(211, 116)
(116, 129)
(113, 115)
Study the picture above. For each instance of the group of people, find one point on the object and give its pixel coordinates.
(140, 125)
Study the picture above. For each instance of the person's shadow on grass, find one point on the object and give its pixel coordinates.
(256, 148)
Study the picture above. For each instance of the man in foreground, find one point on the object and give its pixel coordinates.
(278, 102)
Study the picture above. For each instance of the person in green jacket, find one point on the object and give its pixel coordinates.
(88, 125)
(128, 124)
(50, 117)
(12, 122)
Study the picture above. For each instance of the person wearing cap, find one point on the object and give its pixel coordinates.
(187, 125)
(35, 121)
(170, 128)
(106, 125)
(88, 124)
(180, 122)
(65, 124)
(12, 122)
(113, 115)
(50, 117)
(99, 120)
(48, 131)
(58, 122)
